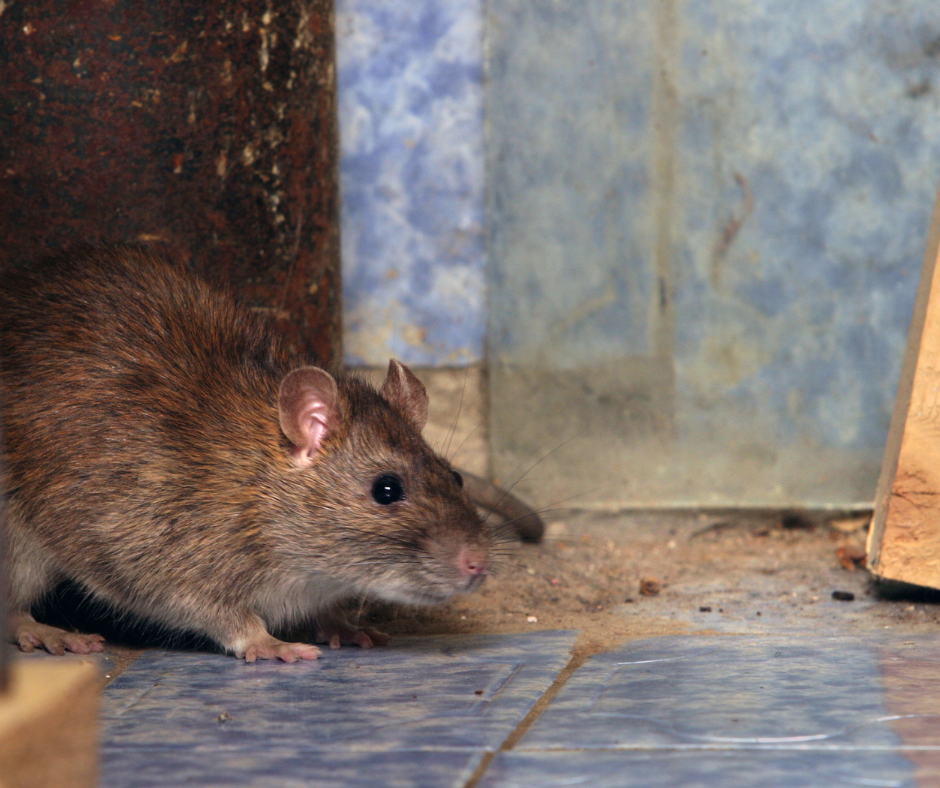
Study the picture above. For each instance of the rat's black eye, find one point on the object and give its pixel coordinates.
(387, 489)
(458, 478)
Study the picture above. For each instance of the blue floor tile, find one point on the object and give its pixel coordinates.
(179, 766)
(740, 711)
(724, 692)
(174, 714)
(708, 769)
(737, 711)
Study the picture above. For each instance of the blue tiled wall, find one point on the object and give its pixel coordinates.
(410, 76)
(725, 203)
(730, 196)
(824, 117)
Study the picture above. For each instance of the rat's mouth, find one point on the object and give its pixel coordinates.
(427, 584)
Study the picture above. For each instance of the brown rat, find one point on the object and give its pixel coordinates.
(164, 451)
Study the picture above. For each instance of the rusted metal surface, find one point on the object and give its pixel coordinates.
(205, 125)
(4, 649)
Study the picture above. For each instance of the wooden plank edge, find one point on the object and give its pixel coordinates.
(902, 402)
(48, 724)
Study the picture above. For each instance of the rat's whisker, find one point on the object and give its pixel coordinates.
(506, 491)
(463, 442)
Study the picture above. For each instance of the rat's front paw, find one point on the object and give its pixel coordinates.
(337, 632)
(272, 648)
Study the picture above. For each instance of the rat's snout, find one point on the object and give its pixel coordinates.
(472, 562)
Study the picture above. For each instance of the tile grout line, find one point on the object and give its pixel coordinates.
(576, 661)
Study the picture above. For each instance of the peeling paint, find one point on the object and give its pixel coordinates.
(179, 53)
(303, 37)
(390, 329)
(264, 55)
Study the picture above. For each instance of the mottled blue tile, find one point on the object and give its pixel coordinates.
(738, 191)
(799, 709)
(453, 692)
(571, 160)
(740, 711)
(726, 692)
(808, 134)
(279, 768)
(709, 769)
(410, 83)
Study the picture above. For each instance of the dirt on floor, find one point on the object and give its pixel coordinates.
(626, 576)
(616, 577)
(727, 571)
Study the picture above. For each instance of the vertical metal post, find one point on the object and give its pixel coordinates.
(4, 646)
(206, 126)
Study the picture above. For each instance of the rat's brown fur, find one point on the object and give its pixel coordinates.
(145, 461)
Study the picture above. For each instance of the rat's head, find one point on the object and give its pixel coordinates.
(386, 512)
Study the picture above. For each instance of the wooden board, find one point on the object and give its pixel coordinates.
(48, 725)
(904, 540)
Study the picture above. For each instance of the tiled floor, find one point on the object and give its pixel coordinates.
(771, 683)
(738, 711)
(420, 712)
(731, 710)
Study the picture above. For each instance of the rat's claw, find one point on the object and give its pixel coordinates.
(83, 644)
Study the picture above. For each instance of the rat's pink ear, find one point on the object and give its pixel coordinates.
(403, 390)
(308, 409)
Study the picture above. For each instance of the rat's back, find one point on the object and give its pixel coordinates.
(128, 387)
(112, 354)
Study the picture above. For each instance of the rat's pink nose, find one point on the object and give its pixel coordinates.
(472, 562)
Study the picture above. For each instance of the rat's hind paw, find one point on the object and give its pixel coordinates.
(29, 635)
(254, 642)
(338, 633)
(272, 648)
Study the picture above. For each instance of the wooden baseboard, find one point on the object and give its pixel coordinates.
(49, 725)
